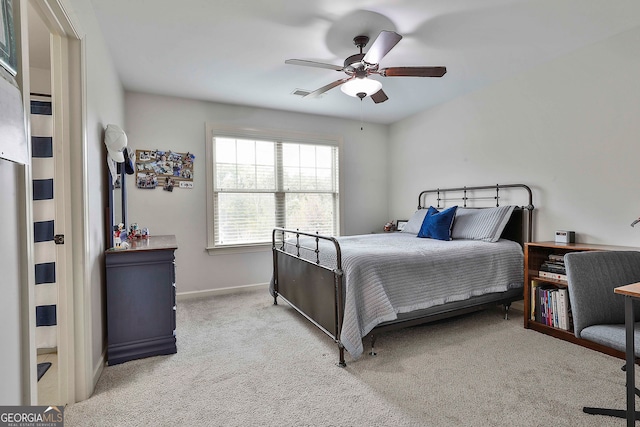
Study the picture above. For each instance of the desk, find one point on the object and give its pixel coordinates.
(630, 293)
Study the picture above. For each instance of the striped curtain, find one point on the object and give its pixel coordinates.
(43, 167)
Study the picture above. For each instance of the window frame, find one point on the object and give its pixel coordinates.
(213, 130)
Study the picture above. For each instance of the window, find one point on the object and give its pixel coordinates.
(259, 183)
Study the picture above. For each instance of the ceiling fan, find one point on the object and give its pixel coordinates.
(360, 66)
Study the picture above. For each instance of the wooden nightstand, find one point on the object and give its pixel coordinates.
(535, 253)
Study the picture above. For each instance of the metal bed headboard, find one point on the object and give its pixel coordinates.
(465, 195)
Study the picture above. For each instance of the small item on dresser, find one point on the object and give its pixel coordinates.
(134, 231)
(565, 236)
(119, 235)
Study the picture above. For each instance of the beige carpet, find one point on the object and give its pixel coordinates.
(242, 361)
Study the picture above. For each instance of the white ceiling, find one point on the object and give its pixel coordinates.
(233, 51)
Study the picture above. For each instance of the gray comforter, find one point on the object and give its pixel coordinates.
(392, 273)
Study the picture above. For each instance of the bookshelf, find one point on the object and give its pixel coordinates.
(535, 254)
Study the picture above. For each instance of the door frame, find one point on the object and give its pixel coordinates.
(68, 70)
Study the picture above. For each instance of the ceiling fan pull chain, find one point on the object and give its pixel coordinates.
(361, 115)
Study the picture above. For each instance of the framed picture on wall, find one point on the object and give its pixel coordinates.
(8, 58)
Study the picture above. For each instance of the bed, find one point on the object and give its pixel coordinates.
(353, 287)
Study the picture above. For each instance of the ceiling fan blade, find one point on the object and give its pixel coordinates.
(313, 64)
(325, 88)
(385, 41)
(413, 72)
(379, 97)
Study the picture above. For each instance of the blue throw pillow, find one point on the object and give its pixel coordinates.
(437, 225)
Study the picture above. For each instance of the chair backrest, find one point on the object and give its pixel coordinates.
(592, 276)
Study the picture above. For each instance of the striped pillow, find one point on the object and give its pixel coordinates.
(484, 224)
(415, 222)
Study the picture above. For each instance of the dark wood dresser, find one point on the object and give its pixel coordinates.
(141, 299)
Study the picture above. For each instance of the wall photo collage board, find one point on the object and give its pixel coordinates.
(166, 169)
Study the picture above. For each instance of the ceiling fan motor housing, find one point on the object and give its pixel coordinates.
(353, 62)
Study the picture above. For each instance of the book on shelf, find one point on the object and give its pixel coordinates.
(543, 306)
(553, 268)
(534, 298)
(550, 275)
(563, 309)
(552, 307)
(556, 258)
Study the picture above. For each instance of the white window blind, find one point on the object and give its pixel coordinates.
(262, 184)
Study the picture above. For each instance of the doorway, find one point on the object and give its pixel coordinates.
(44, 163)
(53, 91)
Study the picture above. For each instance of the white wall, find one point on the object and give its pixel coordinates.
(568, 128)
(40, 80)
(10, 289)
(157, 122)
(104, 105)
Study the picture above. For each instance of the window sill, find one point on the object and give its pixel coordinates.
(239, 249)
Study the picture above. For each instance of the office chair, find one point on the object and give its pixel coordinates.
(598, 313)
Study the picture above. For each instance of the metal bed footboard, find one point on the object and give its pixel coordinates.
(314, 290)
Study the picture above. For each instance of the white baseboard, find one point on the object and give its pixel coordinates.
(40, 351)
(97, 370)
(182, 296)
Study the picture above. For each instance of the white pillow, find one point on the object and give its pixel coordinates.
(484, 224)
(415, 222)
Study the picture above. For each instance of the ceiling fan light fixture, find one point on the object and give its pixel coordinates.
(361, 85)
